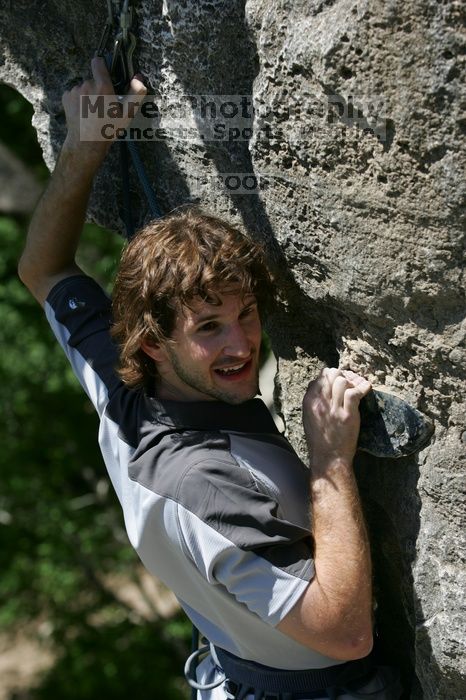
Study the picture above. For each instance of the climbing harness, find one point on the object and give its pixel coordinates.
(242, 678)
(119, 60)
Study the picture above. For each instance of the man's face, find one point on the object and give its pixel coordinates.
(215, 352)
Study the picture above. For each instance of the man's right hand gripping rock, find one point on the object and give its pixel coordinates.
(331, 416)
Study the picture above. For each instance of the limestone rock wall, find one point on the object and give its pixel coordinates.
(358, 149)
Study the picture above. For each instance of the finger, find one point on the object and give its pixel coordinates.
(100, 73)
(354, 395)
(354, 378)
(329, 374)
(136, 86)
(339, 388)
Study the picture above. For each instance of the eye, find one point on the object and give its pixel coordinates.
(248, 311)
(209, 326)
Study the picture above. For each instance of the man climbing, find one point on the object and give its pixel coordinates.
(269, 559)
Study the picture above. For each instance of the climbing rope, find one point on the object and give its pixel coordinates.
(119, 60)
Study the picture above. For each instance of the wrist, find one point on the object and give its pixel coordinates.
(326, 463)
(333, 482)
(85, 155)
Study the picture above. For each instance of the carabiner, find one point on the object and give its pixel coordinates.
(119, 59)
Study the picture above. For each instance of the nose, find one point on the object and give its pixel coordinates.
(237, 343)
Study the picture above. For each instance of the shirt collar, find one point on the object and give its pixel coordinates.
(248, 417)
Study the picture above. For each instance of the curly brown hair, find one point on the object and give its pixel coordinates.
(171, 261)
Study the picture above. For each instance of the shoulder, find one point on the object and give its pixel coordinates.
(79, 313)
(75, 291)
(79, 306)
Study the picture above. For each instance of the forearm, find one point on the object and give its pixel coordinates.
(343, 573)
(57, 223)
(58, 220)
(334, 616)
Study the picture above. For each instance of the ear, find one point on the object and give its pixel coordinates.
(154, 350)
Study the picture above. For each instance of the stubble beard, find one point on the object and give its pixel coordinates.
(196, 381)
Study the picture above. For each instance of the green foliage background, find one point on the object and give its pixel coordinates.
(61, 527)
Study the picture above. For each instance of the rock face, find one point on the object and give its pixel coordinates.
(353, 173)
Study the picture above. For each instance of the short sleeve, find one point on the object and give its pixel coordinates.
(79, 313)
(237, 539)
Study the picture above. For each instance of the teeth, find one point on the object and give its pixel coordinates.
(230, 370)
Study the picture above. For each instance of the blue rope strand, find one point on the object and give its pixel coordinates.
(154, 208)
(127, 209)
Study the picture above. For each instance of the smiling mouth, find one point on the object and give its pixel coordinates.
(235, 371)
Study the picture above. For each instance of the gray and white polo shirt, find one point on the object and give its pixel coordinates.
(215, 501)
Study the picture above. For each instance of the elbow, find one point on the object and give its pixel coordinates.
(357, 648)
(24, 271)
(346, 639)
(337, 642)
(350, 647)
(343, 633)
(20, 269)
(30, 277)
(353, 646)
